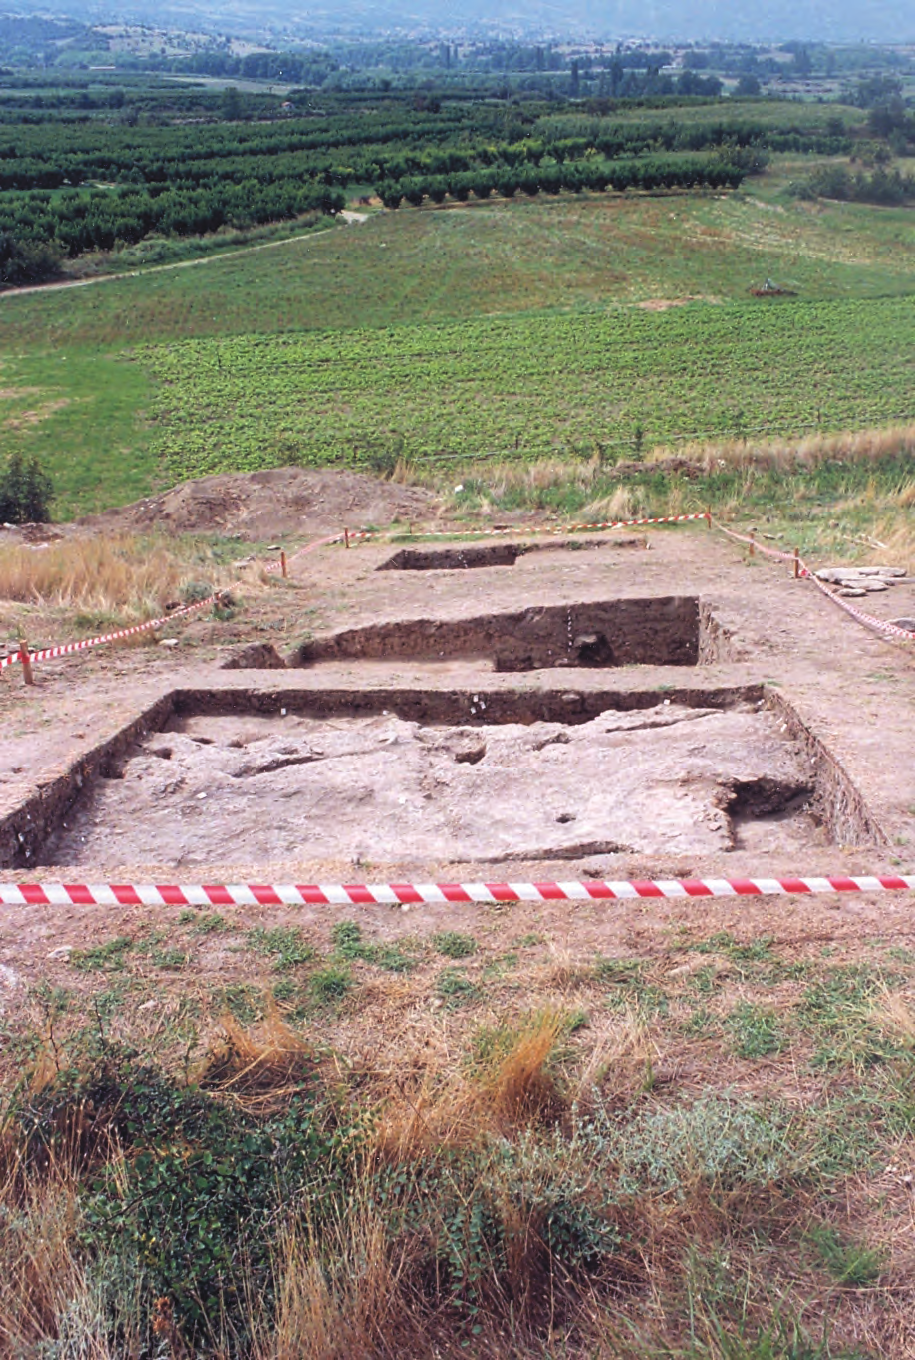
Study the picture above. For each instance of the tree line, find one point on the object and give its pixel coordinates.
(107, 184)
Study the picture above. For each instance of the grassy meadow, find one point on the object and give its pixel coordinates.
(124, 385)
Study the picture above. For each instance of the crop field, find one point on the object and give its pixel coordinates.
(437, 264)
(545, 313)
(535, 385)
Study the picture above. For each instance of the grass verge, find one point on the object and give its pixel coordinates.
(369, 1171)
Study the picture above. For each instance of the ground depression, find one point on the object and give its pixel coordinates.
(669, 780)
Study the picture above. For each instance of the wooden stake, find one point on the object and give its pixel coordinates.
(708, 518)
(346, 538)
(26, 662)
(752, 544)
(283, 565)
(797, 563)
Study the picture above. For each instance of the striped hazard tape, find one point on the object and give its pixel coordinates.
(68, 648)
(522, 530)
(410, 894)
(879, 625)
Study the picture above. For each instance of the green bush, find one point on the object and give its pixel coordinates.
(25, 491)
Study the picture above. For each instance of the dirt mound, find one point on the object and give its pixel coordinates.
(270, 504)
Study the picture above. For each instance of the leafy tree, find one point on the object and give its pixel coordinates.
(23, 262)
(25, 491)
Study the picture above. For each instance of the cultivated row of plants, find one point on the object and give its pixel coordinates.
(181, 179)
(528, 387)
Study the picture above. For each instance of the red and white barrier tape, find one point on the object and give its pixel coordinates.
(273, 567)
(521, 530)
(881, 625)
(67, 648)
(869, 620)
(433, 894)
(760, 547)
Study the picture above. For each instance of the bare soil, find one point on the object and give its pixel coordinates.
(270, 504)
(672, 779)
(338, 790)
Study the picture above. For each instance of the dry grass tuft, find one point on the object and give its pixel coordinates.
(617, 506)
(620, 1061)
(257, 1067)
(519, 1088)
(342, 1294)
(511, 1088)
(45, 1289)
(894, 1016)
(93, 573)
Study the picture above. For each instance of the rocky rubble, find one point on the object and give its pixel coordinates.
(859, 581)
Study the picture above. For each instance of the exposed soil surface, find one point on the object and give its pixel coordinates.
(627, 786)
(273, 503)
(380, 788)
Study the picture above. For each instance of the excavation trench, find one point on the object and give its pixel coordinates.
(486, 776)
(658, 631)
(463, 557)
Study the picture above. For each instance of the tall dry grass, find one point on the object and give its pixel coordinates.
(48, 1296)
(343, 1293)
(787, 455)
(100, 574)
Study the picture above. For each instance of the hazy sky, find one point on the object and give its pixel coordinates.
(883, 21)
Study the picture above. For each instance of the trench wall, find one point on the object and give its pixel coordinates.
(659, 631)
(24, 830)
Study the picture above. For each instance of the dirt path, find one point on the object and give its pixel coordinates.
(348, 216)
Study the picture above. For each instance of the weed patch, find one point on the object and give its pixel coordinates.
(349, 944)
(455, 987)
(755, 1032)
(103, 958)
(284, 944)
(454, 945)
(331, 983)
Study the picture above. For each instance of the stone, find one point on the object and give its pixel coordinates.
(907, 623)
(62, 951)
(847, 575)
(853, 592)
(168, 642)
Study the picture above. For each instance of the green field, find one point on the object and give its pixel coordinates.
(466, 329)
(541, 385)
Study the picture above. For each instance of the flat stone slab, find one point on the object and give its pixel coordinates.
(860, 574)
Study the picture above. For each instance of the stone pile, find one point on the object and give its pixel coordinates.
(858, 581)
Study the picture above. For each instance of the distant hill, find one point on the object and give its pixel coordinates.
(824, 20)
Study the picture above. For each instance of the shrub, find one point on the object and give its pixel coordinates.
(25, 491)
